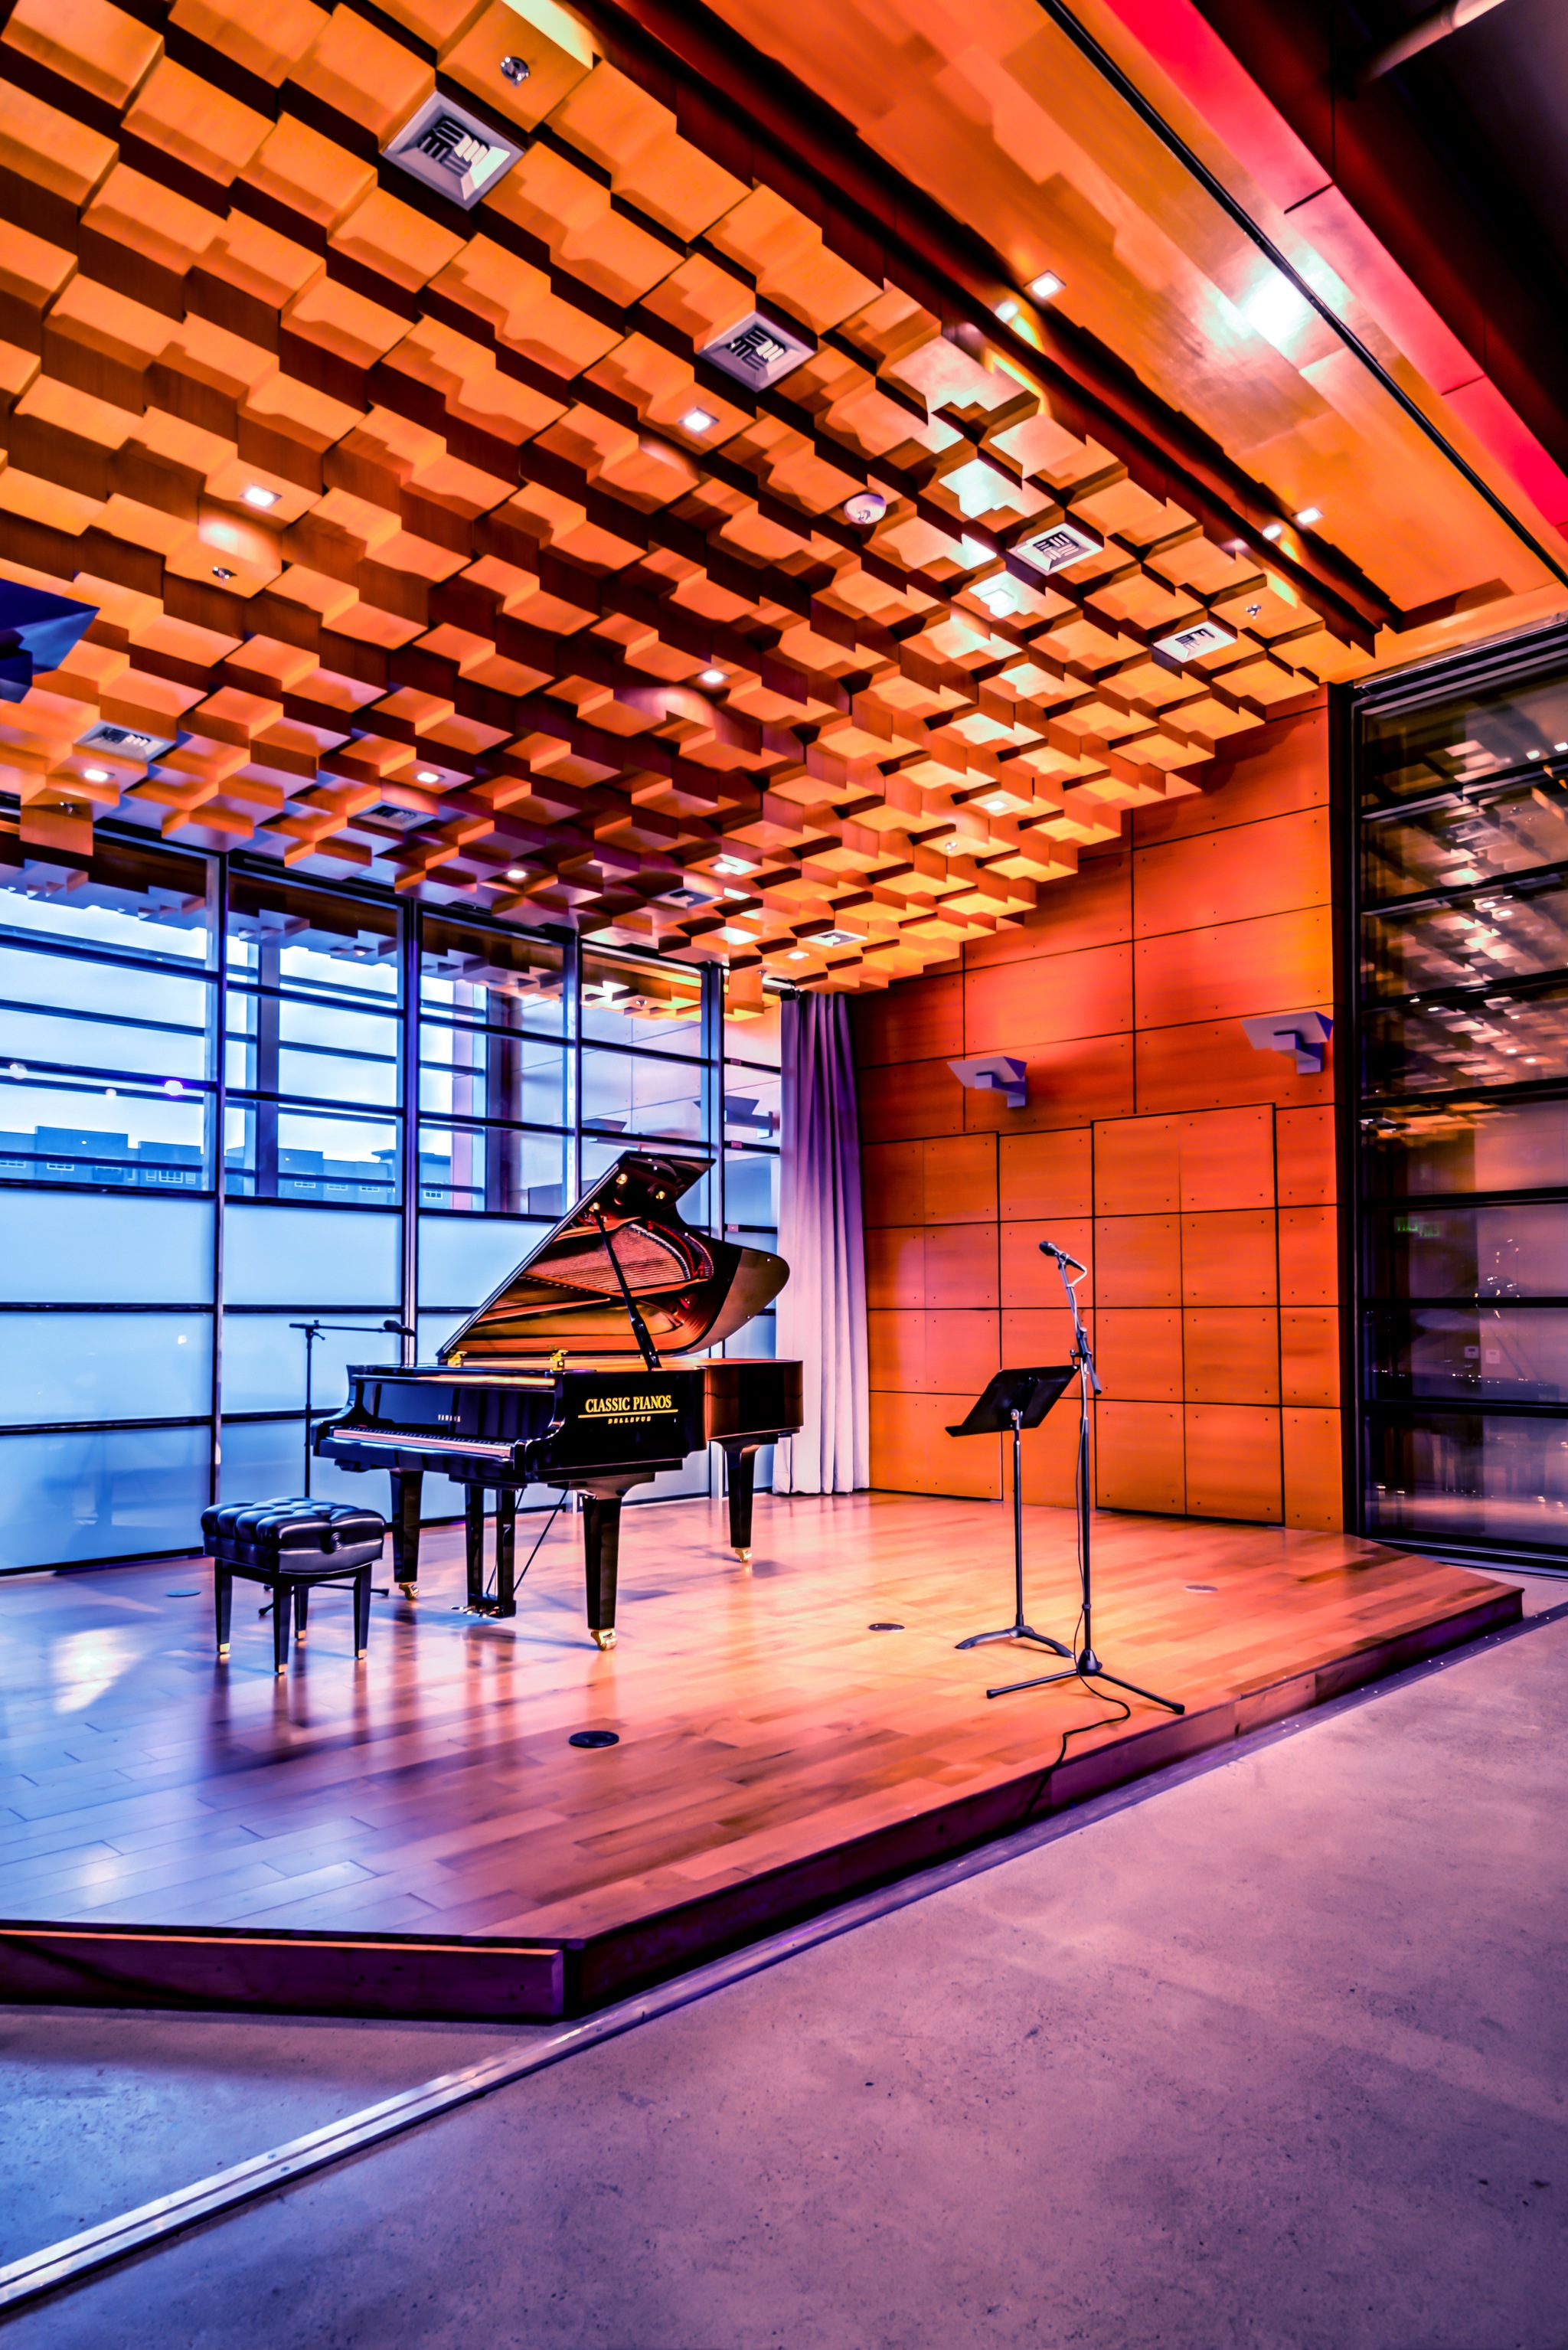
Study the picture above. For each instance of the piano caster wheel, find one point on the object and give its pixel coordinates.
(408, 1590)
(606, 1640)
(223, 1654)
(744, 1556)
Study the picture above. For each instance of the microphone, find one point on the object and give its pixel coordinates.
(1049, 1248)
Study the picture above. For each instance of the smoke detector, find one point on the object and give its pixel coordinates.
(1065, 543)
(125, 742)
(865, 506)
(1189, 643)
(757, 350)
(453, 152)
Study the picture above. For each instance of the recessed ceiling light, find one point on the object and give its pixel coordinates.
(699, 420)
(1536, 755)
(220, 572)
(1007, 311)
(95, 775)
(426, 775)
(728, 864)
(257, 496)
(1308, 516)
(1560, 746)
(713, 677)
(865, 506)
(839, 939)
(515, 69)
(1046, 286)
(736, 936)
(516, 873)
(798, 954)
(997, 805)
(1273, 529)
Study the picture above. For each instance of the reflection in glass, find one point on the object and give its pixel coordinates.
(1514, 1249)
(1498, 1041)
(272, 1153)
(57, 1366)
(1510, 1354)
(639, 1095)
(1462, 841)
(1466, 1146)
(1467, 943)
(1470, 1477)
(492, 1170)
(629, 1002)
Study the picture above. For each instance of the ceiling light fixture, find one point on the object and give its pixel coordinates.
(95, 775)
(1560, 746)
(515, 70)
(798, 954)
(1273, 530)
(426, 775)
(1007, 311)
(1046, 286)
(728, 864)
(713, 677)
(516, 873)
(865, 506)
(1535, 755)
(257, 496)
(698, 419)
(1308, 516)
(221, 571)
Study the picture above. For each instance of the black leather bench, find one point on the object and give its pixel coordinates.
(293, 1545)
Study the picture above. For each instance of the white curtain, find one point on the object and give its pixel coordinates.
(822, 1311)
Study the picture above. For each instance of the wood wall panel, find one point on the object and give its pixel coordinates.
(911, 1452)
(1227, 1159)
(1230, 1354)
(1228, 1257)
(1029, 1279)
(1309, 1357)
(1203, 1063)
(959, 1172)
(1138, 1260)
(1280, 962)
(1234, 876)
(922, 1020)
(1313, 1471)
(907, 1102)
(1194, 1173)
(1069, 1085)
(1140, 1353)
(1305, 1150)
(1049, 1475)
(893, 1183)
(1309, 1258)
(1139, 1457)
(1045, 1175)
(1232, 1453)
(896, 1266)
(1050, 1001)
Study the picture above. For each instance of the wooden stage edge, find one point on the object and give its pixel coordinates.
(769, 1728)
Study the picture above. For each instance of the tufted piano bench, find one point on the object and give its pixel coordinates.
(293, 1545)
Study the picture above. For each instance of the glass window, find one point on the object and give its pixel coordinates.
(296, 1256)
(628, 1002)
(462, 1259)
(101, 1493)
(105, 992)
(60, 1250)
(1463, 1116)
(56, 1367)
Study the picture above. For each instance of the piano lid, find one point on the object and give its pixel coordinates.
(690, 1288)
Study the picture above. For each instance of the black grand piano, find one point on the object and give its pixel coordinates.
(577, 1372)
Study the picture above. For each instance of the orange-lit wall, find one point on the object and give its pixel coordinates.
(1193, 1174)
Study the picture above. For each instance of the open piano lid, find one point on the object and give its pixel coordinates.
(690, 1289)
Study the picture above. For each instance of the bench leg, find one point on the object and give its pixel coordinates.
(361, 1614)
(281, 1612)
(223, 1605)
(301, 1609)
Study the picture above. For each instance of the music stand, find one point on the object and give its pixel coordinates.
(1015, 1400)
(1085, 1665)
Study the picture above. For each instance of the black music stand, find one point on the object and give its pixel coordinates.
(1085, 1665)
(1015, 1400)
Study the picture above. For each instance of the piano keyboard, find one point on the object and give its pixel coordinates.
(414, 1440)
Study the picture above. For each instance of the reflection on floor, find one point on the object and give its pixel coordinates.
(425, 1822)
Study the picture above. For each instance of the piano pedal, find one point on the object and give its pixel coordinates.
(605, 1640)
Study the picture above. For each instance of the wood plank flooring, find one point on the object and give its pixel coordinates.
(416, 1834)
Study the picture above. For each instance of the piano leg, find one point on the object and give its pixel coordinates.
(601, 1557)
(506, 1551)
(406, 1490)
(474, 1543)
(740, 1460)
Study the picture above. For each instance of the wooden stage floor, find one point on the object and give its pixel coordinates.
(416, 1835)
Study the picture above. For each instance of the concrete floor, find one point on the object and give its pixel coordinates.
(1277, 2054)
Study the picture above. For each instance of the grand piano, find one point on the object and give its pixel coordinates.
(577, 1372)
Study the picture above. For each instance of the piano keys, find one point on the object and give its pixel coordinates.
(581, 1372)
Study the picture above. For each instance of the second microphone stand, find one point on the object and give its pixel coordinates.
(1087, 1666)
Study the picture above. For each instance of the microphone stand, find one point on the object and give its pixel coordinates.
(1087, 1666)
(313, 1331)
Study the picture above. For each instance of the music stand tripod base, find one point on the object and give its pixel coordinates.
(1015, 1400)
